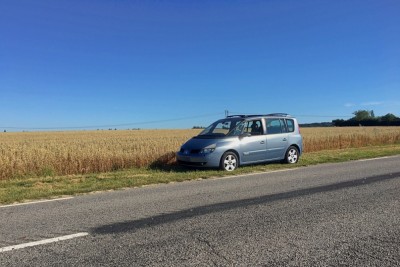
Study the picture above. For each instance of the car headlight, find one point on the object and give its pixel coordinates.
(208, 149)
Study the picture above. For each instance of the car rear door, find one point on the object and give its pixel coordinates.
(276, 139)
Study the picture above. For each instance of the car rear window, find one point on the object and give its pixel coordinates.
(290, 125)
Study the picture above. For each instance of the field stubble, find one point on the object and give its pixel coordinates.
(81, 152)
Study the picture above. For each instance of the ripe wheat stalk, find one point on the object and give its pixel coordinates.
(64, 153)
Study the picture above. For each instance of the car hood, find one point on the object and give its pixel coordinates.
(197, 143)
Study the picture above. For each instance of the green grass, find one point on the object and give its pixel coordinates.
(30, 188)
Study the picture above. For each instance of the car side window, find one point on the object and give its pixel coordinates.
(290, 125)
(274, 126)
(254, 127)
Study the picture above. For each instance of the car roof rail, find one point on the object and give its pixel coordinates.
(260, 115)
(278, 115)
(244, 116)
(240, 116)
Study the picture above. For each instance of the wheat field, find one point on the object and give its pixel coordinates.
(80, 152)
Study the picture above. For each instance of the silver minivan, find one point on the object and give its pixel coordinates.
(244, 139)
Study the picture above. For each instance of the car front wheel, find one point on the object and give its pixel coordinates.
(292, 155)
(229, 161)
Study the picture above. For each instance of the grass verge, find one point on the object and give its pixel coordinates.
(23, 189)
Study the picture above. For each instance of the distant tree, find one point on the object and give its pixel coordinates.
(362, 115)
(367, 118)
(389, 117)
(339, 122)
(318, 124)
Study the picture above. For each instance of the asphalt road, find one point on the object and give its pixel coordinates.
(345, 214)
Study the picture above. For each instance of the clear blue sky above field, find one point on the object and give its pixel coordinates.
(176, 64)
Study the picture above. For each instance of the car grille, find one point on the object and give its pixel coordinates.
(193, 151)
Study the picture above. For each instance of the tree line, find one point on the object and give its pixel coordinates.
(368, 118)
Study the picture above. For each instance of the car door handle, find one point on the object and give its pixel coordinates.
(262, 142)
(284, 139)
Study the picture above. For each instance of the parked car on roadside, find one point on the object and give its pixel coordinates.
(244, 139)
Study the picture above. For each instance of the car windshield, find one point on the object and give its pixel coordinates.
(238, 129)
(220, 128)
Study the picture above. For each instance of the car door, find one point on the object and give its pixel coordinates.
(253, 142)
(276, 139)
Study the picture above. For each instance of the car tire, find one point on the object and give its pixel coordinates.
(229, 161)
(292, 155)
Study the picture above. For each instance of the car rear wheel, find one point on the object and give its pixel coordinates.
(229, 161)
(292, 155)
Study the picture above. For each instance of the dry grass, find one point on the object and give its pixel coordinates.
(63, 153)
(328, 138)
(48, 153)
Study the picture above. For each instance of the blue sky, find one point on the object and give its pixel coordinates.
(176, 64)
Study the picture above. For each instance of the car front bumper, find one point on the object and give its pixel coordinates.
(200, 160)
